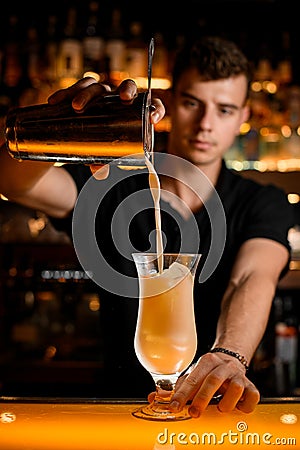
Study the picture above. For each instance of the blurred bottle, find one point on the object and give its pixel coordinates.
(270, 133)
(12, 67)
(21, 303)
(31, 59)
(32, 52)
(291, 122)
(251, 145)
(94, 63)
(50, 56)
(286, 345)
(116, 48)
(160, 67)
(284, 70)
(70, 51)
(264, 68)
(137, 52)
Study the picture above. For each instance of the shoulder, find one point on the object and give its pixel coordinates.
(254, 209)
(240, 186)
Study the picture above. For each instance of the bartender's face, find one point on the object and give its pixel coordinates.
(206, 116)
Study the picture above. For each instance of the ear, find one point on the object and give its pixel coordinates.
(166, 96)
(245, 114)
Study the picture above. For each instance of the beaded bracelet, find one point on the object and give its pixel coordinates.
(241, 358)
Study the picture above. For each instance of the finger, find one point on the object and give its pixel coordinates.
(231, 396)
(207, 390)
(157, 110)
(80, 93)
(100, 172)
(179, 381)
(185, 389)
(187, 385)
(70, 92)
(208, 381)
(127, 90)
(249, 400)
(88, 94)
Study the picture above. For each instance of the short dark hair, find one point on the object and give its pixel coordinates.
(214, 57)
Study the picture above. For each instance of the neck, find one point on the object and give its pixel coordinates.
(187, 186)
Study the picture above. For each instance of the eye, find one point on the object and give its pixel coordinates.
(226, 111)
(190, 103)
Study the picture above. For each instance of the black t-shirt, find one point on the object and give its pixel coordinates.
(119, 214)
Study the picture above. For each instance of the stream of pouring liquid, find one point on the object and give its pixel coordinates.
(155, 192)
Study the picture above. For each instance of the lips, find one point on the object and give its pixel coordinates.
(200, 145)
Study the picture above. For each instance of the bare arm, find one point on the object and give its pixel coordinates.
(244, 315)
(38, 185)
(249, 295)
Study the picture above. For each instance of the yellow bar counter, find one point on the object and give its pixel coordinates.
(94, 424)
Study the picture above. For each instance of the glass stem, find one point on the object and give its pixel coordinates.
(164, 391)
(163, 397)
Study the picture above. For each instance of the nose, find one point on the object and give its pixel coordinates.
(204, 119)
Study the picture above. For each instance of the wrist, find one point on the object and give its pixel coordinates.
(229, 352)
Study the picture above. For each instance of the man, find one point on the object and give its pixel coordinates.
(239, 226)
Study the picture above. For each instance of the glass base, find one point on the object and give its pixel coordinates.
(160, 412)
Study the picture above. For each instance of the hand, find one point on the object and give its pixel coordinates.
(87, 89)
(214, 374)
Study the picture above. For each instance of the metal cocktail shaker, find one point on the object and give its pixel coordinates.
(108, 131)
